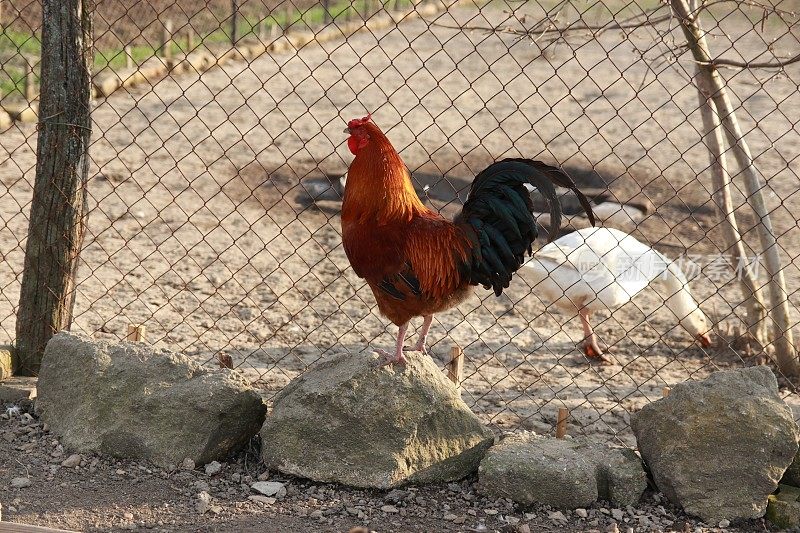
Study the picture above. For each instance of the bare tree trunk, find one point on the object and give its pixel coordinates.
(784, 346)
(720, 178)
(58, 207)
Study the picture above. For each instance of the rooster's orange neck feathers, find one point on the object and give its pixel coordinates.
(379, 188)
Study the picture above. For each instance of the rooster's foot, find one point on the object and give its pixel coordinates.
(420, 347)
(390, 358)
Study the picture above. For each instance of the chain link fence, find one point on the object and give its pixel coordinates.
(217, 177)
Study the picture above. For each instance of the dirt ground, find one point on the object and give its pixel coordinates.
(203, 226)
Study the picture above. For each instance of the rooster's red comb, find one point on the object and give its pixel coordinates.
(356, 122)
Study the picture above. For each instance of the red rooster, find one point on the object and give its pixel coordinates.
(416, 262)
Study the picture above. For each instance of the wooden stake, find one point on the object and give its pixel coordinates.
(561, 424)
(128, 56)
(455, 367)
(166, 39)
(224, 360)
(665, 391)
(136, 333)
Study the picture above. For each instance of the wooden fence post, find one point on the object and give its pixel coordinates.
(166, 40)
(190, 40)
(234, 22)
(128, 56)
(58, 207)
(30, 82)
(326, 7)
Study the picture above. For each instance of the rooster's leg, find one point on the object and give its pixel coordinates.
(423, 335)
(397, 356)
(591, 348)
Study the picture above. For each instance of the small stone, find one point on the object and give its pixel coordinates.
(582, 513)
(201, 486)
(187, 464)
(72, 461)
(203, 504)
(724, 523)
(490, 512)
(613, 528)
(557, 516)
(263, 476)
(20, 482)
(215, 509)
(391, 509)
(618, 514)
(266, 500)
(450, 517)
(270, 488)
(316, 514)
(512, 520)
(213, 468)
(459, 519)
(127, 516)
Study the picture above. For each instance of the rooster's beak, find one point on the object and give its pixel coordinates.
(347, 130)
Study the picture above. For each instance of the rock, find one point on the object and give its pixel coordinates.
(262, 499)
(391, 509)
(269, 488)
(20, 482)
(203, 503)
(557, 516)
(718, 447)
(783, 509)
(348, 421)
(563, 473)
(187, 464)
(724, 523)
(72, 461)
(133, 401)
(581, 513)
(213, 467)
(617, 514)
(792, 474)
(5, 350)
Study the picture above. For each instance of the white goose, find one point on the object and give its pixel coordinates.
(603, 268)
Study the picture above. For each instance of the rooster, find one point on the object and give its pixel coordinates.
(416, 262)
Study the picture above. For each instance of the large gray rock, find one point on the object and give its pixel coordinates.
(564, 473)
(718, 447)
(132, 401)
(347, 421)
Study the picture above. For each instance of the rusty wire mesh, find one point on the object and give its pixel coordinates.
(215, 188)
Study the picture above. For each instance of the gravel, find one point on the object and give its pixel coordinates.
(143, 496)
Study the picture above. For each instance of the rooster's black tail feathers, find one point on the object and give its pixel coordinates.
(498, 213)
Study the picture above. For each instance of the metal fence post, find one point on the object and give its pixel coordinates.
(58, 207)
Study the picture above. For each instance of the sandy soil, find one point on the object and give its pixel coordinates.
(201, 226)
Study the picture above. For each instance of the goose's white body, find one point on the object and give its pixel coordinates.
(603, 268)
